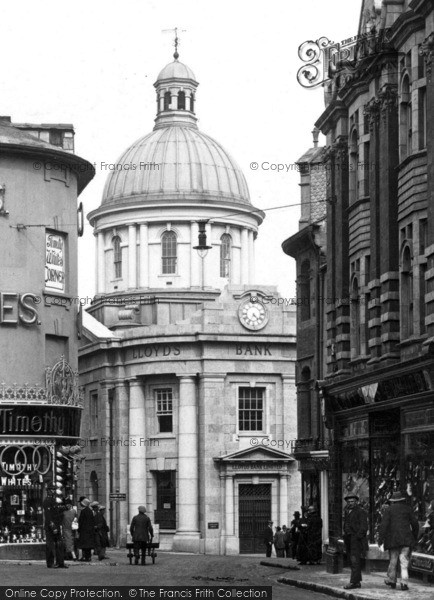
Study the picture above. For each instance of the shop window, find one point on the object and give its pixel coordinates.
(93, 411)
(117, 257)
(24, 472)
(225, 255)
(164, 409)
(165, 515)
(407, 328)
(355, 470)
(304, 290)
(251, 409)
(168, 253)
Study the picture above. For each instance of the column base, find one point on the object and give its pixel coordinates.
(186, 542)
(232, 545)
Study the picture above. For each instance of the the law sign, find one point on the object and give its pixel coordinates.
(55, 261)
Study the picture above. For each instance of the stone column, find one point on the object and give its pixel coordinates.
(187, 534)
(144, 256)
(244, 256)
(100, 264)
(251, 258)
(137, 449)
(195, 266)
(283, 505)
(132, 256)
(232, 544)
(324, 508)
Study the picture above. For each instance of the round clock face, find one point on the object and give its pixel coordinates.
(253, 315)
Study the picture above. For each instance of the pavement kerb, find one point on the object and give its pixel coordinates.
(268, 563)
(323, 589)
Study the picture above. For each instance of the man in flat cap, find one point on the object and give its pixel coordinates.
(399, 531)
(142, 533)
(356, 543)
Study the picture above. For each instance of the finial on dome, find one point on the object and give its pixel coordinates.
(176, 40)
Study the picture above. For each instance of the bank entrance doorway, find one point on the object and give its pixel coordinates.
(254, 509)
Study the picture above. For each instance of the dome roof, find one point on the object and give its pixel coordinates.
(189, 166)
(176, 70)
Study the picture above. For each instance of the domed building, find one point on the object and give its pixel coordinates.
(187, 365)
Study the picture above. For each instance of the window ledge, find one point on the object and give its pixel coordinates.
(412, 340)
(159, 436)
(166, 276)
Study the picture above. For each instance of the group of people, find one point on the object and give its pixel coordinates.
(66, 532)
(301, 541)
(398, 534)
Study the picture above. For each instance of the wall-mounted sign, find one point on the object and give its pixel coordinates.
(422, 562)
(39, 420)
(213, 525)
(55, 261)
(18, 308)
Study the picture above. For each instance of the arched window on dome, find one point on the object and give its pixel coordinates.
(117, 257)
(225, 255)
(168, 253)
(192, 102)
(181, 101)
(167, 100)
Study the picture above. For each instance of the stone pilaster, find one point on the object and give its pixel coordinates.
(100, 262)
(121, 412)
(187, 536)
(283, 500)
(231, 542)
(144, 256)
(427, 51)
(132, 256)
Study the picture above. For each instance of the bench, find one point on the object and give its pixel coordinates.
(150, 547)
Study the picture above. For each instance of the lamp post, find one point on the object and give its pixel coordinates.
(202, 247)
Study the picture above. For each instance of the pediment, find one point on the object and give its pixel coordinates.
(262, 454)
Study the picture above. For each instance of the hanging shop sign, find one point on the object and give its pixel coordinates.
(422, 563)
(55, 261)
(40, 420)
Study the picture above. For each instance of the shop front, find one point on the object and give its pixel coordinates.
(384, 442)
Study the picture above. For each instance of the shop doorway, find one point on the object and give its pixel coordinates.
(254, 513)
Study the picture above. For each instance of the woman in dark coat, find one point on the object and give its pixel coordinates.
(102, 530)
(302, 547)
(314, 536)
(86, 530)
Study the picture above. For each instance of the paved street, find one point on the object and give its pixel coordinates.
(170, 569)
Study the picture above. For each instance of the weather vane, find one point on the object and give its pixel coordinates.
(176, 42)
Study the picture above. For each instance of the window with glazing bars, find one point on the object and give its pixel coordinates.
(164, 398)
(250, 409)
(117, 257)
(225, 255)
(168, 253)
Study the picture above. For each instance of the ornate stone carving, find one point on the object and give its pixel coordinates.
(427, 51)
(372, 112)
(388, 99)
(62, 384)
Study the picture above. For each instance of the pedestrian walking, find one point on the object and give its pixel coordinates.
(69, 516)
(314, 536)
(102, 531)
(86, 531)
(279, 542)
(295, 533)
(142, 533)
(287, 540)
(399, 530)
(54, 548)
(268, 539)
(356, 543)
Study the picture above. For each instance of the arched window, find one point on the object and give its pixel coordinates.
(117, 257)
(354, 167)
(167, 100)
(192, 102)
(355, 319)
(304, 288)
(225, 255)
(181, 101)
(168, 253)
(405, 119)
(407, 327)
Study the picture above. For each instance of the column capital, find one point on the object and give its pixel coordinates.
(134, 381)
(187, 376)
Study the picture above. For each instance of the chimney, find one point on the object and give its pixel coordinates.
(315, 134)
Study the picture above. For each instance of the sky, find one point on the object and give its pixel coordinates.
(93, 64)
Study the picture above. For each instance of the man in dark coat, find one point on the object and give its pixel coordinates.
(86, 531)
(54, 547)
(268, 539)
(295, 532)
(398, 532)
(356, 543)
(142, 533)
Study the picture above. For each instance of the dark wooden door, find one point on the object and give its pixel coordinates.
(254, 514)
